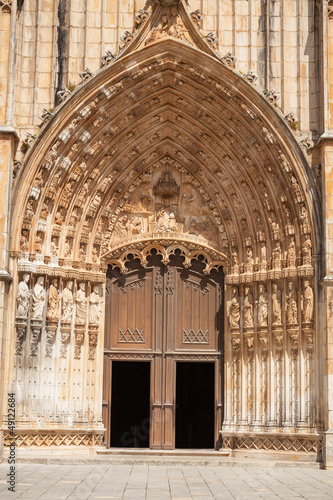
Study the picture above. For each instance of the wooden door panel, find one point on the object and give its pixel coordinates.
(159, 313)
(197, 302)
(130, 319)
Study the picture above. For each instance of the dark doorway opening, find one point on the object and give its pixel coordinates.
(130, 404)
(195, 405)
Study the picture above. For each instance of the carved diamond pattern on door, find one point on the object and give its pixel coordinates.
(158, 313)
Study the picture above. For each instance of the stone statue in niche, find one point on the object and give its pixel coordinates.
(291, 255)
(249, 260)
(303, 215)
(67, 303)
(81, 304)
(44, 211)
(95, 254)
(59, 220)
(248, 308)
(38, 299)
(262, 306)
(276, 305)
(38, 243)
(24, 241)
(67, 249)
(307, 251)
(277, 255)
(95, 310)
(23, 297)
(52, 313)
(291, 304)
(234, 310)
(296, 190)
(29, 211)
(307, 303)
(82, 253)
(54, 247)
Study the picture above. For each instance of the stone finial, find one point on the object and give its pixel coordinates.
(107, 58)
(251, 76)
(85, 74)
(229, 60)
(212, 40)
(63, 94)
(197, 18)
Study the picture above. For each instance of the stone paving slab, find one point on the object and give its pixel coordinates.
(150, 482)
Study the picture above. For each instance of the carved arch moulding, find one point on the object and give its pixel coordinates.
(168, 148)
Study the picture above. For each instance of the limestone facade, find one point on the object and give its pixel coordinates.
(201, 129)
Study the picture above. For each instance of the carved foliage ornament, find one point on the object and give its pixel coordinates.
(330, 9)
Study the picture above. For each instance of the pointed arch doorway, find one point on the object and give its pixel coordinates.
(163, 357)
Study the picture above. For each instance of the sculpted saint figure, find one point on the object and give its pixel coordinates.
(234, 310)
(262, 306)
(292, 253)
(248, 308)
(23, 296)
(307, 303)
(67, 302)
(95, 311)
(53, 303)
(276, 303)
(291, 304)
(38, 299)
(81, 304)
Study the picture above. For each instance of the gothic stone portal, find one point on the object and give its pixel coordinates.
(164, 314)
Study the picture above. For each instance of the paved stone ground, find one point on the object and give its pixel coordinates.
(136, 482)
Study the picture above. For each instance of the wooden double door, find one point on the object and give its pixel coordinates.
(163, 363)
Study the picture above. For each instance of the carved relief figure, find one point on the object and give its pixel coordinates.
(44, 212)
(23, 297)
(67, 249)
(276, 304)
(306, 251)
(24, 241)
(291, 256)
(209, 232)
(81, 304)
(67, 303)
(291, 304)
(234, 310)
(262, 306)
(248, 308)
(307, 303)
(53, 303)
(54, 247)
(95, 310)
(38, 299)
(38, 244)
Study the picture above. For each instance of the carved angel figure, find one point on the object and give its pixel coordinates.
(262, 306)
(23, 296)
(276, 304)
(291, 304)
(307, 303)
(81, 304)
(67, 302)
(95, 311)
(38, 299)
(53, 303)
(234, 310)
(248, 308)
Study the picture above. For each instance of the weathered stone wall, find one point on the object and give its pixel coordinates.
(278, 39)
